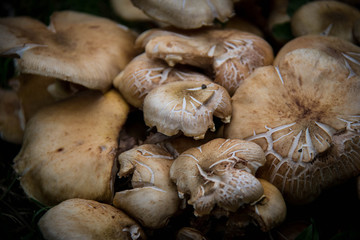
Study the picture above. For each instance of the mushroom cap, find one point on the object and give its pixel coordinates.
(153, 199)
(143, 74)
(325, 17)
(270, 211)
(187, 106)
(305, 113)
(69, 148)
(12, 121)
(88, 219)
(187, 14)
(345, 52)
(127, 11)
(76, 47)
(231, 54)
(220, 172)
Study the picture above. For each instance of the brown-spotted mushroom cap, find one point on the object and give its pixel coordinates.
(345, 52)
(220, 172)
(186, 106)
(270, 211)
(76, 47)
(12, 122)
(69, 148)
(305, 114)
(87, 219)
(231, 54)
(325, 17)
(143, 74)
(153, 199)
(187, 14)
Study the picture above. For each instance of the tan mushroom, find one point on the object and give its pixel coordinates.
(188, 233)
(187, 14)
(325, 17)
(88, 219)
(220, 172)
(186, 106)
(76, 47)
(142, 75)
(153, 199)
(127, 11)
(69, 148)
(304, 112)
(12, 122)
(270, 211)
(230, 54)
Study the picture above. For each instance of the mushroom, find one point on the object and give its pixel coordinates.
(153, 199)
(325, 17)
(188, 233)
(88, 219)
(187, 14)
(186, 106)
(127, 11)
(69, 148)
(12, 121)
(142, 75)
(270, 211)
(220, 172)
(231, 54)
(304, 112)
(76, 47)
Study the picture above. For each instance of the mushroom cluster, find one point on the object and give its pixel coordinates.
(193, 127)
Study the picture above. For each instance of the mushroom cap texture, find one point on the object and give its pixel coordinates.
(325, 17)
(127, 11)
(153, 199)
(69, 148)
(87, 219)
(231, 54)
(187, 14)
(11, 117)
(270, 211)
(187, 106)
(305, 113)
(143, 74)
(76, 47)
(220, 172)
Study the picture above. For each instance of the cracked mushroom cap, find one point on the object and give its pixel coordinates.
(305, 114)
(325, 17)
(153, 199)
(270, 211)
(88, 219)
(143, 74)
(187, 14)
(220, 172)
(69, 148)
(345, 52)
(76, 47)
(230, 54)
(187, 106)
(12, 123)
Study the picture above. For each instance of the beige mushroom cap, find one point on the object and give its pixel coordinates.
(12, 121)
(325, 17)
(88, 219)
(69, 148)
(231, 54)
(126, 10)
(153, 199)
(305, 114)
(187, 14)
(76, 47)
(220, 172)
(270, 211)
(143, 74)
(187, 106)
